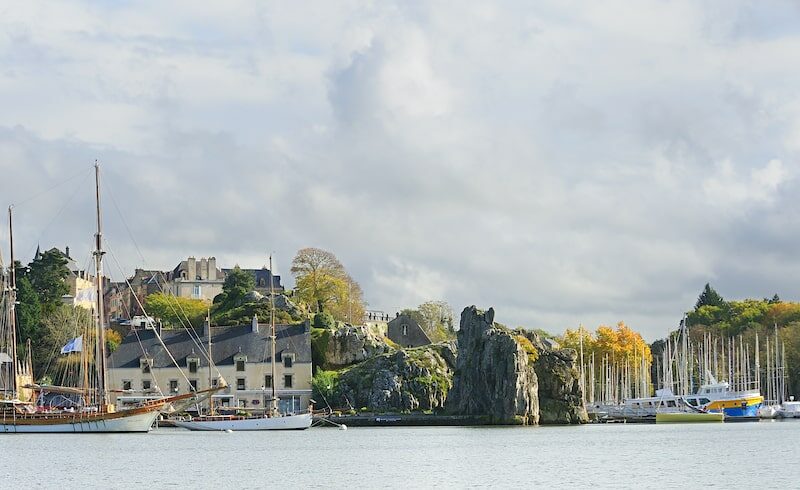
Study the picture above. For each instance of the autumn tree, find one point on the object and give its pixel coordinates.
(324, 285)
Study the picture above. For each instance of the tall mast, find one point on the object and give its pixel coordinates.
(100, 362)
(210, 365)
(12, 311)
(274, 404)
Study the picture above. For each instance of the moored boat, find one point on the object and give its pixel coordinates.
(230, 422)
(688, 417)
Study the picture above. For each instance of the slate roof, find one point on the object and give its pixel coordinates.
(226, 343)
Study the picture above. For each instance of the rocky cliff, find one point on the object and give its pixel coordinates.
(344, 346)
(494, 374)
(405, 380)
(560, 398)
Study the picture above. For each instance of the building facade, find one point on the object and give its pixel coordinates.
(197, 279)
(241, 356)
(406, 332)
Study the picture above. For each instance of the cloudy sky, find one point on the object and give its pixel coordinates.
(564, 162)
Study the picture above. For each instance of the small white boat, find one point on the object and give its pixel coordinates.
(768, 411)
(234, 423)
(789, 410)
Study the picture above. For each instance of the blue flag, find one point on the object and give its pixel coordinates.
(74, 345)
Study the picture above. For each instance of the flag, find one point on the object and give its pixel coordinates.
(85, 295)
(74, 345)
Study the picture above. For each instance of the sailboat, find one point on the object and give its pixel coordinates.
(272, 419)
(19, 411)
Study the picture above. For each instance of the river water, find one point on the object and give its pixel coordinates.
(602, 456)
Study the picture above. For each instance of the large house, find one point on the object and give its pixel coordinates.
(406, 332)
(140, 366)
(198, 279)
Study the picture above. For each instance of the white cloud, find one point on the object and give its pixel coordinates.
(563, 164)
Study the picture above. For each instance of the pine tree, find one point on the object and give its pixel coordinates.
(709, 297)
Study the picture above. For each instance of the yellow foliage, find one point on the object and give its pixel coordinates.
(527, 345)
(619, 344)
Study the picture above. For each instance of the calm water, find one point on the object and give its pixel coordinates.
(618, 456)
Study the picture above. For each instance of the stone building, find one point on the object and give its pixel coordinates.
(123, 299)
(241, 355)
(376, 320)
(406, 332)
(197, 279)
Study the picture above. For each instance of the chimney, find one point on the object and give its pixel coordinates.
(203, 272)
(191, 269)
(254, 326)
(66, 252)
(212, 269)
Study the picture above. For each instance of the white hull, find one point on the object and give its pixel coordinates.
(134, 423)
(289, 422)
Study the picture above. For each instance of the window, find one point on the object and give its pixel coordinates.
(193, 365)
(214, 382)
(268, 381)
(405, 329)
(239, 383)
(173, 386)
(196, 291)
(126, 384)
(145, 384)
(287, 360)
(240, 359)
(287, 380)
(145, 364)
(193, 384)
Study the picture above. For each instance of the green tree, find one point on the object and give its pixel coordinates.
(29, 313)
(236, 286)
(709, 297)
(47, 274)
(175, 311)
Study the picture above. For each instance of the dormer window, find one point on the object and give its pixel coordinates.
(288, 360)
(193, 363)
(405, 329)
(145, 364)
(240, 360)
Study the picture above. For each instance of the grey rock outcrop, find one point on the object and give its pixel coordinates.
(405, 380)
(560, 398)
(494, 375)
(350, 345)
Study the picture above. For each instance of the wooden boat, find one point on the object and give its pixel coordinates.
(688, 417)
(18, 411)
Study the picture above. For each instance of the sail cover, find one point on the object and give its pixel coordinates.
(74, 345)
